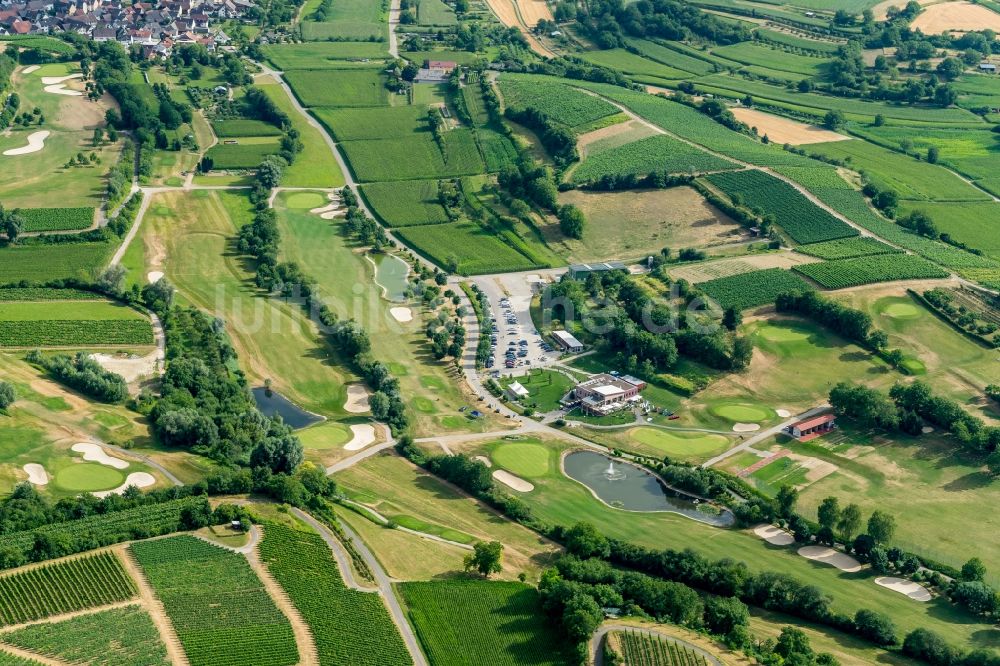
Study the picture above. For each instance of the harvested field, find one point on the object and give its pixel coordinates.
(725, 267)
(533, 11)
(612, 136)
(881, 9)
(784, 130)
(957, 16)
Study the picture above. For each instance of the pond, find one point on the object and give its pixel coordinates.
(272, 403)
(627, 486)
(390, 274)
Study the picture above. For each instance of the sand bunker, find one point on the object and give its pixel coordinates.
(51, 80)
(31, 68)
(834, 558)
(483, 459)
(783, 413)
(154, 276)
(927, 430)
(508, 479)
(137, 479)
(402, 314)
(357, 399)
(783, 130)
(61, 89)
(364, 434)
(774, 535)
(36, 141)
(746, 427)
(36, 474)
(958, 16)
(94, 453)
(915, 591)
(329, 211)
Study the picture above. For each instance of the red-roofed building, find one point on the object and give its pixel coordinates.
(446, 65)
(813, 427)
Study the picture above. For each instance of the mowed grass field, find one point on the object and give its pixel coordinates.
(339, 87)
(317, 55)
(975, 224)
(242, 153)
(194, 233)
(44, 263)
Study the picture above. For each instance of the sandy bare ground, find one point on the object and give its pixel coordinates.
(94, 453)
(483, 459)
(134, 368)
(154, 276)
(51, 80)
(783, 413)
(36, 474)
(774, 535)
(303, 637)
(533, 11)
(915, 591)
(517, 483)
(628, 132)
(31, 68)
(723, 267)
(329, 211)
(834, 558)
(175, 652)
(402, 314)
(746, 427)
(507, 12)
(357, 399)
(36, 141)
(880, 10)
(364, 434)
(137, 479)
(959, 16)
(784, 130)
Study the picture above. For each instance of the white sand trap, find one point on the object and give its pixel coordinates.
(61, 89)
(52, 80)
(329, 211)
(834, 558)
(357, 399)
(783, 413)
(508, 479)
(36, 474)
(774, 535)
(746, 427)
(94, 453)
(154, 276)
(36, 141)
(137, 479)
(402, 314)
(915, 591)
(364, 434)
(132, 367)
(483, 459)
(31, 68)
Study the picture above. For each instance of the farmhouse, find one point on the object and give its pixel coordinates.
(604, 393)
(812, 428)
(567, 341)
(580, 271)
(435, 71)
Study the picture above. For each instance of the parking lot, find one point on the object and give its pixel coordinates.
(517, 344)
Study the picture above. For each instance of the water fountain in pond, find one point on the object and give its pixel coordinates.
(612, 474)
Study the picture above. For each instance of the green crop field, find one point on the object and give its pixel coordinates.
(470, 623)
(319, 55)
(467, 246)
(658, 153)
(974, 224)
(847, 248)
(361, 32)
(560, 102)
(796, 42)
(406, 203)
(242, 155)
(348, 626)
(634, 65)
(374, 123)
(236, 127)
(641, 648)
(71, 585)
(57, 219)
(748, 53)
(47, 294)
(971, 152)
(800, 218)
(749, 290)
(44, 263)
(675, 59)
(71, 324)
(415, 157)
(339, 87)
(435, 12)
(866, 270)
(210, 595)
(116, 637)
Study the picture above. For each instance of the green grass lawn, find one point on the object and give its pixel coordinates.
(317, 55)
(315, 166)
(547, 388)
(974, 224)
(526, 457)
(339, 87)
(678, 445)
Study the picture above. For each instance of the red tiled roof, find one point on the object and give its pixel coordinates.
(814, 421)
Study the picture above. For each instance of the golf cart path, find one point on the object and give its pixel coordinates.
(422, 535)
(765, 434)
(385, 588)
(339, 552)
(597, 654)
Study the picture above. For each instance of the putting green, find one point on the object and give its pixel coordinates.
(522, 458)
(686, 444)
(424, 405)
(781, 333)
(901, 310)
(738, 413)
(306, 200)
(431, 382)
(325, 436)
(87, 477)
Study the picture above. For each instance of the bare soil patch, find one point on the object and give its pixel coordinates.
(613, 136)
(956, 16)
(784, 130)
(726, 267)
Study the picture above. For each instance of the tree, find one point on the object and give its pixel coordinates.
(876, 627)
(949, 68)
(12, 224)
(112, 280)
(786, 498)
(829, 512)
(927, 646)
(723, 614)
(945, 95)
(7, 395)
(933, 153)
(993, 463)
(486, 558)
(849, 522)
(270, 170)
(977, 596)
(881, 527)
(732, 318)
(833, 119)
(583, 540)
(571, 221)
(879, 118)
(972, 570)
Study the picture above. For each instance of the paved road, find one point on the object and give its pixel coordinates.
(765, 434)
(422, 535)
(597, 654)
(393, 22)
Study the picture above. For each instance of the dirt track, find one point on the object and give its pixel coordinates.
(784, 130)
